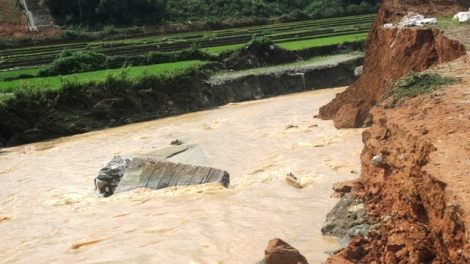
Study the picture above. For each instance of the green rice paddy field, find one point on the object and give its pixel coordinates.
(290, 36)
(54, 82)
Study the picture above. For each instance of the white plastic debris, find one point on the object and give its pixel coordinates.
(417, 20)
(388, 25)
(462, 16)
(431, 21)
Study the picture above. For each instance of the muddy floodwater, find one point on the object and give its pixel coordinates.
(49, 214)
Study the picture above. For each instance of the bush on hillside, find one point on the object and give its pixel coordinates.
(74, 62)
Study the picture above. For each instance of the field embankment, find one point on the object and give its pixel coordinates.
(415, 161)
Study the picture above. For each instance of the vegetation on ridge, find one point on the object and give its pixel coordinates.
(95, 14)
(414, 84)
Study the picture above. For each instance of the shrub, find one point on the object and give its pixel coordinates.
(74, 62)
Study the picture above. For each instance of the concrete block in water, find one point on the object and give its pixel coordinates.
(155, 174)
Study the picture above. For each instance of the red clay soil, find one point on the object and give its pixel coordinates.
(421, 195)
(424, 185)
(390, 54)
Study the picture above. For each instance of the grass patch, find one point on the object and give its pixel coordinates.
(16, 73)
(55, 82)
(297, 45)
(218, 49)
(414, 84)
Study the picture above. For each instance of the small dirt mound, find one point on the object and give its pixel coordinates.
(257, 53)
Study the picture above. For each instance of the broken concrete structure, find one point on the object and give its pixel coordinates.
(154, 174)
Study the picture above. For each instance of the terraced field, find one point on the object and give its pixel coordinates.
(305, 34)
(55, 82)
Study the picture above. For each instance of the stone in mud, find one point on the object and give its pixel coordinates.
(344, 187)
(155, 174)
(377, 160)
(279, 252)
(346, 214)
(110, 175)
(358, 71)
(354, 232)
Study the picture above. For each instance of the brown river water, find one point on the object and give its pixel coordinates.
(49, 214)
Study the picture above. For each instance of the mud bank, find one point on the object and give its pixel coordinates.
(390, 54)
(419, 195)
(422, 188)
(80, 109)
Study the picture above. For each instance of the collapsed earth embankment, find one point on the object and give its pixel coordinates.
(417, 195)
(390, 54)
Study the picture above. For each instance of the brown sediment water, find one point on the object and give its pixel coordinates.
(49, 214)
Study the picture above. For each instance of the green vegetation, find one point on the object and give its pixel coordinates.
(18, 74)
(96, 13)
(414, 84)
(70, 61)
(86, 60)
(58, 82)
(296, 45)
(12, 56)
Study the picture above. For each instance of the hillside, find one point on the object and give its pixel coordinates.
(95, 14)
(11, 14)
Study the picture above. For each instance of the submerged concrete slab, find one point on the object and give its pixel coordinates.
(166, 152)
(156, 174)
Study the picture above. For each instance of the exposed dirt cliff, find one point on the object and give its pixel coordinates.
(423, 186)
(419, 195)
(390, 54)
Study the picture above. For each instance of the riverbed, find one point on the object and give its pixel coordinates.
(49, 213)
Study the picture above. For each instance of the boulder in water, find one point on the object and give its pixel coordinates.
(279, 252)
(110, 175)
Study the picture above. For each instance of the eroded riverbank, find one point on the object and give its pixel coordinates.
(78, 109)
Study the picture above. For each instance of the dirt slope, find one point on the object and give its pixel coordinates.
(14, 25)
(420, 196)
(425, 184)
(10, 14)
(390, 54)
